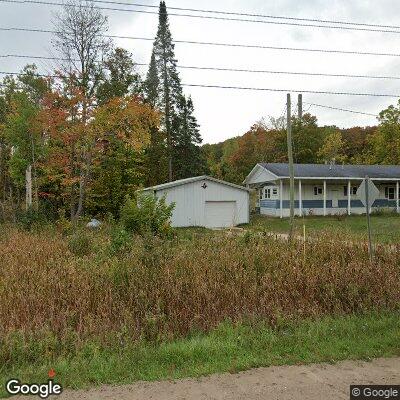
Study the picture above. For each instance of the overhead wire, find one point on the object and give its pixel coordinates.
(226, 69)
(221, 44)
(295, 24)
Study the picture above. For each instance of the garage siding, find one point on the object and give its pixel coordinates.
(191, 198)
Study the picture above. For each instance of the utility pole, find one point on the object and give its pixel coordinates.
(291, 167)
(28, 186)
(370, 248)
(300, 106)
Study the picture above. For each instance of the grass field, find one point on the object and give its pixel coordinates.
(385, 227)
(105, 308)
(228, 348)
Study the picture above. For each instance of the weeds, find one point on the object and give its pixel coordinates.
(165, 289)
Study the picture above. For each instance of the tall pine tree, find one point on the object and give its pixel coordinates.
(156, 158)
(187, 157)
(164, 91)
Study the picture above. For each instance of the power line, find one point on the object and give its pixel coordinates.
(225, 69)
(341, 109)
(294, 90)
(234, 45)
(296, 24)
(251, 14)
(251, 88)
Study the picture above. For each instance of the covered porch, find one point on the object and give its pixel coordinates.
(322, 196)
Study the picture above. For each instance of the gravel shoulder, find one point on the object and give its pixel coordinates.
(311, 382)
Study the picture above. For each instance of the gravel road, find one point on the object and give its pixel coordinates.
(311, 382)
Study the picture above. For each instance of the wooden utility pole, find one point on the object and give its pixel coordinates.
(28, 187)
(291, 167)
(370, 248)
(300, 106)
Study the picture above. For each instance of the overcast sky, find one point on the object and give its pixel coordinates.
(223, 114)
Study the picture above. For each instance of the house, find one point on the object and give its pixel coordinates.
(322, 189)
(205, 201)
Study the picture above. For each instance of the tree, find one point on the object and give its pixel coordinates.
(120, 78)
(21, 132)
(386, 142)
(80, 39)
(71, 143)
(156, 159)
(188, 159)
(123, 127)
(307, 139)
(164, 90)
(333, 148)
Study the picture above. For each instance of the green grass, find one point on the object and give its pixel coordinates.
(228, 348)
(385, 228)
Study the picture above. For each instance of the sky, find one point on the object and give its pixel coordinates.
(224, 113)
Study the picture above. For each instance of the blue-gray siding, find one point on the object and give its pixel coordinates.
(275, 204)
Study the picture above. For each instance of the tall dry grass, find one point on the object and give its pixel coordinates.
(167, 288)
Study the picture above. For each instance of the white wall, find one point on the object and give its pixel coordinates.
(190, 201)
(308, 194)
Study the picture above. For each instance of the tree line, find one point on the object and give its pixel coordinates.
(266, 141)
(95, 130)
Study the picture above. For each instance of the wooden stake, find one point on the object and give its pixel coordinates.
(291, 166)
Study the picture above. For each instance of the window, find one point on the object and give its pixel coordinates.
(317, 190)
(270, 192)
(353, 190)
(390, 192)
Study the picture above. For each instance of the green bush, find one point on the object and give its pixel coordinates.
(121, 240)
(147, 215)
(31, 218)
(79, 244)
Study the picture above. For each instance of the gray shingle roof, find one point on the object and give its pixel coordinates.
(334, 171)
(189, 180)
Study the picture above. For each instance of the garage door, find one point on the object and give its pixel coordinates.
(220, 214)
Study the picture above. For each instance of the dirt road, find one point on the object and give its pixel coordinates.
(312, 382)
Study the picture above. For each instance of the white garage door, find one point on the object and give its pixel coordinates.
(220, 214)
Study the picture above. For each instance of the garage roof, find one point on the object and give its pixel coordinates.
(281, 170)
(190, 180)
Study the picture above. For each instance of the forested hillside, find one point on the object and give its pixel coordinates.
(234, 158)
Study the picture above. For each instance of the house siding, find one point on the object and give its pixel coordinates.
(314, 204)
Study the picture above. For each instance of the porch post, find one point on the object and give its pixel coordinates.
(281, 197)
(397, 197)
(349, 197)
(324, 198)
(300, 200)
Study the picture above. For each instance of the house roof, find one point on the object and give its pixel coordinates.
(190, 180)
(281, 170)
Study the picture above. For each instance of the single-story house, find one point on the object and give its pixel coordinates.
(205, 201)
(322, 189)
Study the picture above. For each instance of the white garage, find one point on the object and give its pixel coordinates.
(205, 201)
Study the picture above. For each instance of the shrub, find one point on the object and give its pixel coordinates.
(31, 218)
(121, 240)
(147, 215)
(79, 244)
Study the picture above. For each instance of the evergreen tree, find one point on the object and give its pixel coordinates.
(187, 160)
(152, 82)
(156, 159)
(164, 91)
